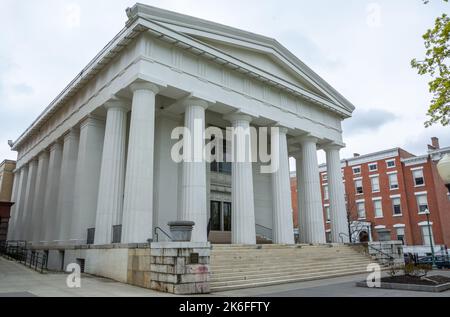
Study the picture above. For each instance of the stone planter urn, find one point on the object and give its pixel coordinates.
(181, 231)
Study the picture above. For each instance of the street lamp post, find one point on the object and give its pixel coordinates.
(433, 258)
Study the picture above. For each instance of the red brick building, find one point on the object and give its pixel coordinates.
(390, 190)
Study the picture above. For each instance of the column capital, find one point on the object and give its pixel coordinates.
(144, 85)
(92, 120)
(71, 133)
(194, 101)
(54, 146)
(333, 146)
(117, 103)
(307, 138)
(43, 154)
(238, 116)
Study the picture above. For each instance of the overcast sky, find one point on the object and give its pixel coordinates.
(362, 48)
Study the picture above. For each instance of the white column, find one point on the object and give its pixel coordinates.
(18, 232)
(338, 213)
(137, 223)
(29, 200)
(51, 193)
(314, 221)
(243, 209)
(39, 194)
(193, 192)
(300, 197)
(283, 227)
(13, 213)
(112, 173)
(89, 161)
(67, 185)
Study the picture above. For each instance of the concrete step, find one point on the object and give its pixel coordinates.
(274, 255)
(277, 268)
(288, 262)
(217, 287)
(222, 277)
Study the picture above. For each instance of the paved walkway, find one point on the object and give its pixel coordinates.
(18, 281)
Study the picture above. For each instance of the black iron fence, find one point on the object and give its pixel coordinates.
(19, 251)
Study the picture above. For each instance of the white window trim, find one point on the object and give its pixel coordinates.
(358, 179)
(360, 201)
(326, 205)
(421, 193)
(356, 167)
(328, 231)
(399, 225)
(377, 198)
(374, 175)
(399, 215)
(416, 169)
(376, 165)
(392, 160)
(391, 173)
(424, 224)
(380, 227)
(395, 196)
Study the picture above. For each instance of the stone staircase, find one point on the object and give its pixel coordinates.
(238, 266)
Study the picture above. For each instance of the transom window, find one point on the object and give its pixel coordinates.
(418, 178)
(359, 186)
(373, 167)
(375, 182)
(390, 163)
(422, 203)
(361, 210)
(378, 208)
(357, 170)
(397, 206)
(393, 181)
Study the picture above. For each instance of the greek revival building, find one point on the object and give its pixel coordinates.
(96, 166)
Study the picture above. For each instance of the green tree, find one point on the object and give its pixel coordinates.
(437, 65)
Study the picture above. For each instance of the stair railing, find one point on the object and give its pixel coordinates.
(264, 232)
(165, 233)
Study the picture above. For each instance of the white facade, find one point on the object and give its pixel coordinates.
(103, 147)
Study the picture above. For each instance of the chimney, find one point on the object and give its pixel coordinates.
(356, 155)
(435, 143)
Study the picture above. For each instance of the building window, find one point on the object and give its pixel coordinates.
(361, 210)
(390, 163)
(357, 170)
(359, 186)
(324, 177)
(378, 208)
(327, 212)
(328, 236)
(418, 178)
(393, 181)
(426, 232)
(373, 167)
(422, 203)
(326, 194)
(375, 182)
(397, 206)
(401, 234)
(225, 166)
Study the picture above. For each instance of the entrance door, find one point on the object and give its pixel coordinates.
(220, 216)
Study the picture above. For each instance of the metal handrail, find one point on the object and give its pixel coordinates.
(391, 258)
(165, 233)
(268, 236)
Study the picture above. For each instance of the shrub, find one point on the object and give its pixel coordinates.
(419, 270)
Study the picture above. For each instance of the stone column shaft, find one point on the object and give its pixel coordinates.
(67, 185)
(138, 200)
(243, 209)
(39, 196)
(20, 201)
(29, 201)
(13, 213)
(112, 173)
(89, 161)
(301, 198)
(338, 213)
(283, 227)
(51, 193)
(314, 222)
(193, 192)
